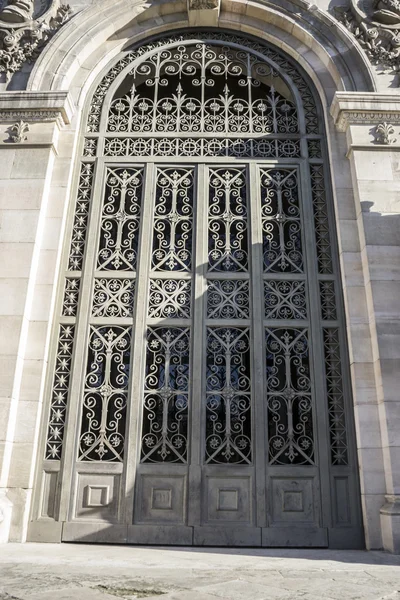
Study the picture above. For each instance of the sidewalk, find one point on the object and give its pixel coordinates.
(86, 572)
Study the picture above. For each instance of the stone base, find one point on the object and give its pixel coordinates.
(390, 522)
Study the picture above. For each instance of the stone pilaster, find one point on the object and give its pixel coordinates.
(30, 124)
(372, 125)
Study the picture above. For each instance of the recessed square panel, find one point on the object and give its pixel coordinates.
(97, 497)
(228, 499)
(292, 500)
(161, 499)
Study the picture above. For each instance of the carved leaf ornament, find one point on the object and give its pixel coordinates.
(24, 34)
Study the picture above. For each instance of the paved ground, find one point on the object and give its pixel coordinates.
(83, 572)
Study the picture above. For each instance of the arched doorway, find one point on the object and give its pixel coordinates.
(199, 392)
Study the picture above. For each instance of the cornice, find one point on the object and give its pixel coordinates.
(39, 107)
(364, 108)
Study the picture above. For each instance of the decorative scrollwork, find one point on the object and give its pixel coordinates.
(314, 148)
(71, 297)
(236, 147)
(166, 395)
(60, 392)
(90, 147)
(328, 300)
(285, 300)
(170, 298)
(281, 221)
(173, 220)
(228, 299)
(120, 220)
(336, 409)
(113, 297)
(289, 400)
(213, 40)
(81, 217)
(23, 36)
(191, 106)
(227, 220)
(105, 394)
(321, 220)
(228, 396)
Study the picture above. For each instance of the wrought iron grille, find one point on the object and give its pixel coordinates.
(223, 250)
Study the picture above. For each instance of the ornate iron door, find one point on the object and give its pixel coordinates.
(199, 391)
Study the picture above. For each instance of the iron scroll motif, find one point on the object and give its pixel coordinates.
(120, 222)
(289, 399)
(228, 396)
(170, 121)
(220, 39)
(173, 220)
(166, 395)
(227, 221)
(105, 394)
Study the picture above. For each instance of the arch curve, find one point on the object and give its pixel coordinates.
(88, 43)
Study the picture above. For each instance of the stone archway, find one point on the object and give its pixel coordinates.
(222, 431)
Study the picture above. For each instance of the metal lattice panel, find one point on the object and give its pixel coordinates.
(200, 339)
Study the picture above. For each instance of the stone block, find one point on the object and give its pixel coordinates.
(5, 406)
(36, 341)
(18, 225)
(383, 262)
(371, 505)
(348, 236)
(52, 234)
(360, 349)
(388, 339)
(26, 422)
(386, 300)
(381, 229)
(16, 260)
(31, 380)
(12, 296)
(10, 331)
(390, 382)
(372, 165)
(7, 156)
(47, 267)
(367, 426)
(41, 302)
(363, 383)
(30, 163)
(7, 372)
(21, 465)
(23, 194)
(352, 270)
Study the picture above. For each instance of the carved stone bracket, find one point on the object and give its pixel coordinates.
(23, 34)
(376, 26)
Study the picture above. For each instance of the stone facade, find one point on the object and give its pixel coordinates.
(43, 100)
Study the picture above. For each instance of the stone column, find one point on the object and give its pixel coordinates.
(372, 125)
(30, 124)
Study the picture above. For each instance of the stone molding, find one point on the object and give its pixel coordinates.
(36, 107)
(364, 108)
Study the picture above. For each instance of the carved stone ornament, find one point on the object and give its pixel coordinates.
(384, 134)
(18, 131)
(25, 28)
(376, 26)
